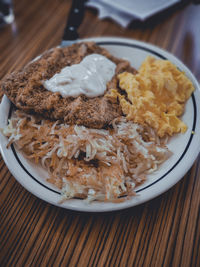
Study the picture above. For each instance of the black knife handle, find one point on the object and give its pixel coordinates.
(74, 20)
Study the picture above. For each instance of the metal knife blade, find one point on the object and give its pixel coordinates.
(74, 20)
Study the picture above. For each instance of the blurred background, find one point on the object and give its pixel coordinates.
(38, 25)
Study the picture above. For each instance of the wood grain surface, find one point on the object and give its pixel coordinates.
(162, 232)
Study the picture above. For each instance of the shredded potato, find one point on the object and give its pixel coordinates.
(107, 165)
(89, 163)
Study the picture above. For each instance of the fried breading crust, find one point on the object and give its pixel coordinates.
(25, 88)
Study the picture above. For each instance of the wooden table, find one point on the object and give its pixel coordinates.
(163, 232)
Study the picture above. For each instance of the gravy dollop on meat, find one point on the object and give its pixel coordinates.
(25, 88)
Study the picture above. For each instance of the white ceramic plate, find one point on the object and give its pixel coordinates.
(184, 146)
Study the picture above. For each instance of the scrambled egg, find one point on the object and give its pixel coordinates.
(155, 96)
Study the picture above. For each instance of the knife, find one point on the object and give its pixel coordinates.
(74, 20)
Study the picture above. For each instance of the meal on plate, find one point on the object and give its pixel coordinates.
(97, 125)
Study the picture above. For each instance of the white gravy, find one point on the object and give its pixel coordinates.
(89, 77)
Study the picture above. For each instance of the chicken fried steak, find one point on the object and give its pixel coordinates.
(25, 88)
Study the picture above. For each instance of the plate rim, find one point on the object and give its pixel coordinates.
(90, 208)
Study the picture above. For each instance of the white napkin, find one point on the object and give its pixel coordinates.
(109, 11)
(124, 11)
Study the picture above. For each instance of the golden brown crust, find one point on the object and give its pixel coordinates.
(25, 88)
